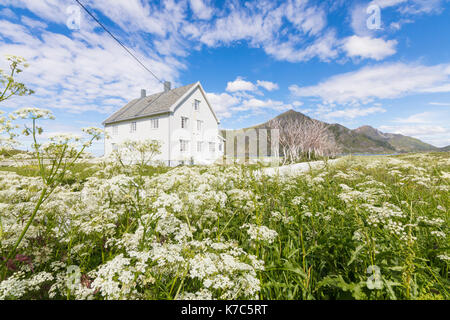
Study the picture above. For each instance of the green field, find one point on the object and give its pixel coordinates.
(365, 228)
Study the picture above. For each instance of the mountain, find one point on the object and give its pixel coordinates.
(400, 142)
(364, 139)
(348, 140)
(445, 149)
(351, 141)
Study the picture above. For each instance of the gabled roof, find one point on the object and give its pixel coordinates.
(151, 105)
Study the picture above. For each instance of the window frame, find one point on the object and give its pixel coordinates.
(153, 122)
(133, 126)
(196, 104)
(212, 147)
(184, 122)
(184, 143)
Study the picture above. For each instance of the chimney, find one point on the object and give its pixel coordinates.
(166, 86)
(143, 93)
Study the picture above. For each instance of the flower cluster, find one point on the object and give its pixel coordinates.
(219, 232)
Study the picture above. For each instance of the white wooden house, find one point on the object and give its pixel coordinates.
(182, 119)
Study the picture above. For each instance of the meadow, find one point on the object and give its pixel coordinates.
(364, 228)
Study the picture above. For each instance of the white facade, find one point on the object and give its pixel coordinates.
(188, 132)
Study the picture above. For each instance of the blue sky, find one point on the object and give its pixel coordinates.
(385, 63)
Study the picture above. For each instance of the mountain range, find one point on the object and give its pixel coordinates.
(365, 139)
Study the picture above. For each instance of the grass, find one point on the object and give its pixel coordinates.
(365, 228)
(79, 173)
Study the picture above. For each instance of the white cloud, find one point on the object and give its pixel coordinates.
(397, 25)
(384, 81)
(256, 25)
(16, 33)
(446, 104)
(324, 47)
(415, 7)
(436, 135)
(268, 85)
(265, 25)
(82, 72)
(415, 130)
(366, 47)
(308, 19)
(431, 127)
(51, 10)
(242, 98)
(439, 88)
(387, 3)
(67, 68)
(135, 15)
(351, 113)
(257, 106)
(8, 13)
(423, 117)
(359, 16)
(222, 103)
(240, 85)
(201, 9)
(34, 24)
(405, 10)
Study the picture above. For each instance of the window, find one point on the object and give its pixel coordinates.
(133, 127)
(184, 122)
(183, 145)
(199, 125)
(212, 147)
(114, 146)
(154, 123)
(115, 130)
(220, 146)
(196, 104)
(199, 146)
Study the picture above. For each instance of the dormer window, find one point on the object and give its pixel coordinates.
(196, 104)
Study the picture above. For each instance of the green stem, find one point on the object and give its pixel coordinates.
(2, 97)
(24, 231)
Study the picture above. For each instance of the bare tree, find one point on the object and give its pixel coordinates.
(290, 138)
(138, 154)
(305, 137)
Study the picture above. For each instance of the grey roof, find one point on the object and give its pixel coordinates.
(154, 104)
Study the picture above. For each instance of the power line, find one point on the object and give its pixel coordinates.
(121, 44)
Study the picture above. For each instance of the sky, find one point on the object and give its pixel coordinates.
(384, 63)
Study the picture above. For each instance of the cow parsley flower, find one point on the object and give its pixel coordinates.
(260, 233)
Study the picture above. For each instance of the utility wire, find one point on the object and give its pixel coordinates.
(122, 45)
